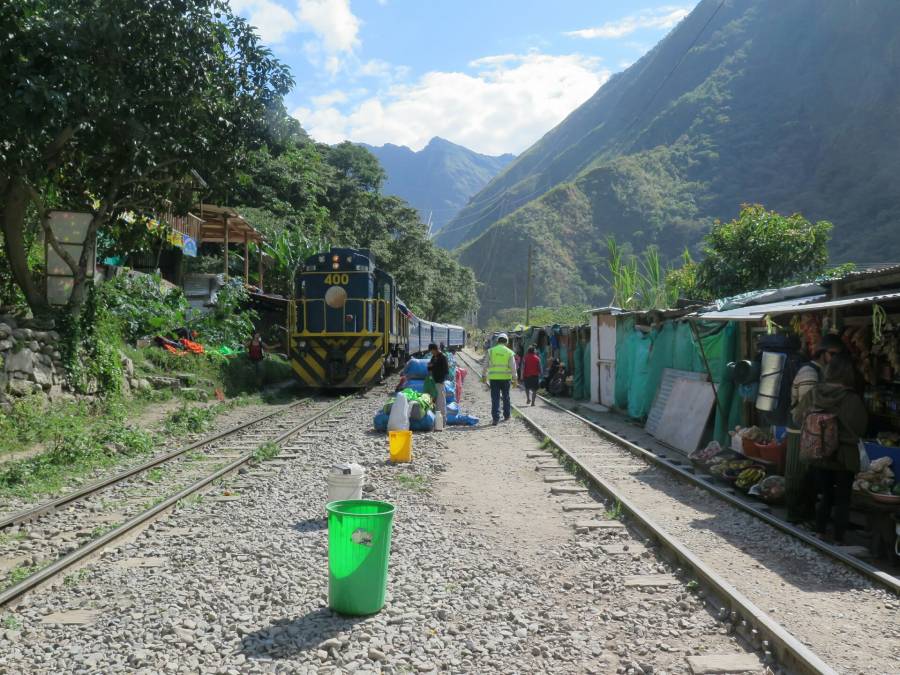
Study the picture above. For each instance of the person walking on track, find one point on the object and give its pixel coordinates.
(531, 375)
(500, 371)
(439, 367)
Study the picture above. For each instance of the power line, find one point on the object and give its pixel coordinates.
(675, 67)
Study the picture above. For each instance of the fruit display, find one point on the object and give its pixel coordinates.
(754, 434)
(772, 489)
(879, 477)
(704, 455)
(729, 468)
(750, 477)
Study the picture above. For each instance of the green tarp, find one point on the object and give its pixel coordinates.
(642, 357)
(588, 369)
(578, 375)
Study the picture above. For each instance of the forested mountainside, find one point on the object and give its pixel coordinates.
(439, 179)
(790, 104)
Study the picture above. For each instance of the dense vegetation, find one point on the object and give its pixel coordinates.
(439, 179)
(742, 102)
(567, 315)
(305, 196)
(110, 105)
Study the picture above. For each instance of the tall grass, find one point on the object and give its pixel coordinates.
(638, 283)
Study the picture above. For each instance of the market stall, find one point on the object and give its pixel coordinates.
(777, 340)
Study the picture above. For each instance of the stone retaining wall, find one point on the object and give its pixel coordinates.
(31, 362)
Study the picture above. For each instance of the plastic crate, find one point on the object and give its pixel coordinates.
(774, 453)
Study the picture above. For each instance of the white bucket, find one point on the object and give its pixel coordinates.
(345, 481)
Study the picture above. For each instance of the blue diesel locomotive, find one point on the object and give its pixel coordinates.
(347, 328)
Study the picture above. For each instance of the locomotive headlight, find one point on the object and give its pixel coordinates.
(335, 266)
(321, 258)
(302, 344)
(367, 343)
(336, 297)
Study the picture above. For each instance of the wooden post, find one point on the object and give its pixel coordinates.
(246, 260)
(260, 268)
(528, 289)
(225, 223)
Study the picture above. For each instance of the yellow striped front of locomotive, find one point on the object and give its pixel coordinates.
(338, 361)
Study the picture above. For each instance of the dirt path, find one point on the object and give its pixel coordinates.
(489, 479)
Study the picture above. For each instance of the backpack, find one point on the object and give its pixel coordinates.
(819, 436)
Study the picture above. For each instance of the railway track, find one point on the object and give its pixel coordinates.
(33, 513)
(814, 613)
(71, 529)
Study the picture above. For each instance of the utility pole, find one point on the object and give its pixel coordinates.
(528, 288)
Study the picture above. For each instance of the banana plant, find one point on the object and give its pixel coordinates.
(287, 250)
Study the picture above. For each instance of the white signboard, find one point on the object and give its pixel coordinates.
(70, 230)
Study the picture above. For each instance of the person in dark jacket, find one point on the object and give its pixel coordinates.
(439, 367)
(834, 475)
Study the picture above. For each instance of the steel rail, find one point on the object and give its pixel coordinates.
(788, 649)
(687, 473)
(33, 512)
(891, 582)
(14, 592)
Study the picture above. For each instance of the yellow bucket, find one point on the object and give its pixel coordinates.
(400, 446)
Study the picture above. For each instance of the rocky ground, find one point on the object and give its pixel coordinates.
(487, 574)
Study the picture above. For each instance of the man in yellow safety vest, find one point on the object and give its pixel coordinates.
(500, 372)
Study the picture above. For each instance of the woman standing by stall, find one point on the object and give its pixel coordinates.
(834, 473)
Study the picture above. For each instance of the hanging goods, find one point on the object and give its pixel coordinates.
(771, 372)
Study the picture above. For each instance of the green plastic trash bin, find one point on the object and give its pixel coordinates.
(359, 545)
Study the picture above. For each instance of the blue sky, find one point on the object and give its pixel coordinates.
(493, 75)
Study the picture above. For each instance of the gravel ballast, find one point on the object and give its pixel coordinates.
(487, 574)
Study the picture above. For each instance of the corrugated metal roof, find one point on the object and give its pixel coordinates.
(808, 304)
(756, 312)
(866, 271)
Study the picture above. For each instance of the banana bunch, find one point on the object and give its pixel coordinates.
(749, 477)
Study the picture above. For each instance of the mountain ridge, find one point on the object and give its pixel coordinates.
(744, 101)
(439, 179)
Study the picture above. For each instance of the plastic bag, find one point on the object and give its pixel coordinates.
(864, 462)
(399, 417)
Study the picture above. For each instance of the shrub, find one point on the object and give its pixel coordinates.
(143, 306)
(229, 323)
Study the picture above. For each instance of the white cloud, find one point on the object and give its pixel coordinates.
(382, 70)
(660, 17)
(330, 98)
(504, 106)
(273, 21)
(333, 23)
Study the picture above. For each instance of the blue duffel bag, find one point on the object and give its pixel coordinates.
(426, 423)
(417, 369)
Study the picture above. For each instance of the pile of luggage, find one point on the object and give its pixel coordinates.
(417, 391)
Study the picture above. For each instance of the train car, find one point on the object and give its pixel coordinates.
(346, 327)
(422, 333)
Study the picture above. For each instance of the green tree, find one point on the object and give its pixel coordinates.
(761, 249)
(565, 315)
(108, 104)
